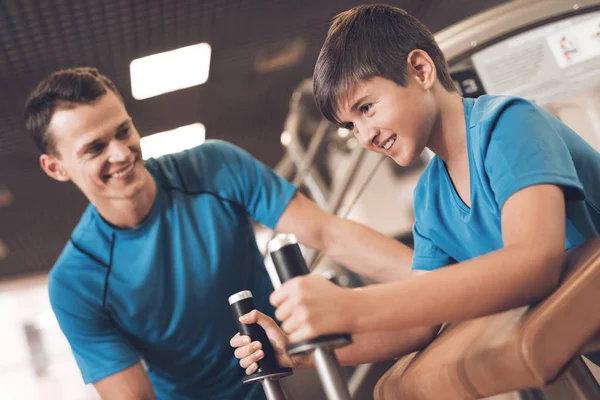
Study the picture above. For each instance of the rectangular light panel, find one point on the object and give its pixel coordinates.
(172, 141)
(169, 71)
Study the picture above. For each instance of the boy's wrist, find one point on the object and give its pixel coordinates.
(302, 361)
(353, 308)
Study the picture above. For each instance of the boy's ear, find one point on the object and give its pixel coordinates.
(421, 68)
(53, 167)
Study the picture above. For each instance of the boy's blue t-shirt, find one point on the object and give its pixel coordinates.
(159, 292)
(511, 144)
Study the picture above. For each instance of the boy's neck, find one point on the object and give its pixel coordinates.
(448, 138)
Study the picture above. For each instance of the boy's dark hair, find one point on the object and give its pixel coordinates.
(368, 41)
(65, 89)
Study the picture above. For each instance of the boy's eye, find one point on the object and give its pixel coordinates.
(349, 126)
(365, 108)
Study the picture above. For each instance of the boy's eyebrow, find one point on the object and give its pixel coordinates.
(357, 103)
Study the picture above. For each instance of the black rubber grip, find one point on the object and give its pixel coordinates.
(289, 262)
(269, 363)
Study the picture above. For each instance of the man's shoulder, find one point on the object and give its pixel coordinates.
(197, 168)
(86, 255)
(76, 277)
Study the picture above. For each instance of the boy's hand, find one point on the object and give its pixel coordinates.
(250, 352)
(311, 306)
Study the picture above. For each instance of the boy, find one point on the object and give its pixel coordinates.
(147, 271)
(510, 188)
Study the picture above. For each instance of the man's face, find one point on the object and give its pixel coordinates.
(98, 148)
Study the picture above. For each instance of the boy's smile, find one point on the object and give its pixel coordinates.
(388, 119)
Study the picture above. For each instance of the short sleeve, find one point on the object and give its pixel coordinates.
(263, 193)
(427, 255)
(526, 149)
(99, 349)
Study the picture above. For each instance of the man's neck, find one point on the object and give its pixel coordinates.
(449, 136)
(131, 212)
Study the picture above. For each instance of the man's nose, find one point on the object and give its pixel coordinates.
(119, 151)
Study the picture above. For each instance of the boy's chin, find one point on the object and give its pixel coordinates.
(403, 160)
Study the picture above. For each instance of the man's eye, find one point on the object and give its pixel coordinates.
(123, 133)
(349, 126)
(97, 148)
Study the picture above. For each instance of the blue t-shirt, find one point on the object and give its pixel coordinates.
(511, 144)
(158, 293)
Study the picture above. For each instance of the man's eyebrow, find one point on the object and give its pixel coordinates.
(123, 124)
(83, 149)
(89, 145)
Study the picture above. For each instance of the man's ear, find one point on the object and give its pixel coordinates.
(53, 167)
(421, 68)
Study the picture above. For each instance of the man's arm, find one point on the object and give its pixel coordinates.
(525, 270)
(355, 246)
(130, 384)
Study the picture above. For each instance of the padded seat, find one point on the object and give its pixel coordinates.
(527, 347)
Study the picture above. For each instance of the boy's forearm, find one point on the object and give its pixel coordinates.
(508, 278)
(368, 252)
(370, 347)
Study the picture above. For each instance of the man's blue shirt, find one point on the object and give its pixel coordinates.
(158, 293)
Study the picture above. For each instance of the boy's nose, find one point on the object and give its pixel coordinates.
(373, 137)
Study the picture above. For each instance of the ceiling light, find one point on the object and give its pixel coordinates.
(6, 197)
(3, 250)
(286, 138)
(276, 56)
(173, 141)
(343, 132)
(169, 71)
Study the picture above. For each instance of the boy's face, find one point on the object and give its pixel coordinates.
(98, 149)
(390, 119)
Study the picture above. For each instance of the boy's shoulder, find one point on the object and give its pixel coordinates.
(428, 182)
(484, 113)
(487, 109)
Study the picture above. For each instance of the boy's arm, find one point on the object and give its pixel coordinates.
(355, 246)
(370, 347)
(524, 271)
(366, 347)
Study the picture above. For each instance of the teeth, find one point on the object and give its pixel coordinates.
(125, 171)
(389, 143)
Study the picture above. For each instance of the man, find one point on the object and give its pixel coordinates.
(147, 271)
